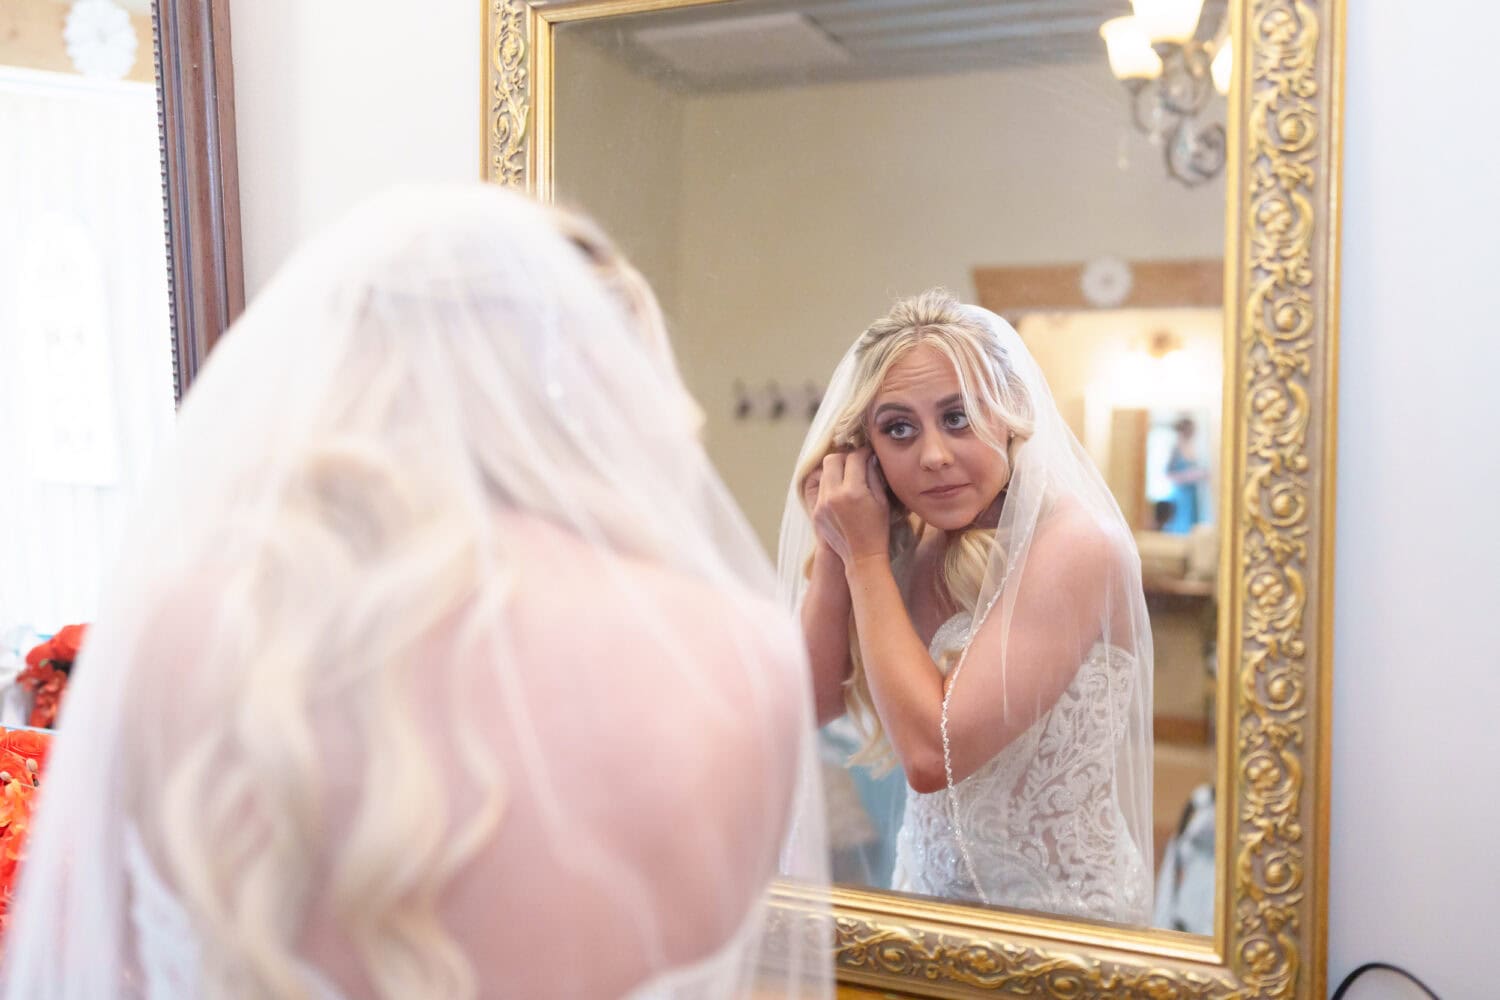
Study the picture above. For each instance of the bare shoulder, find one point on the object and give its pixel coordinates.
(669, 667)
(1072, 546)
(671, 711)
(589, 601)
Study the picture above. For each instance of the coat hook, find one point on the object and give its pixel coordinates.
(743, 406)
(777, 398)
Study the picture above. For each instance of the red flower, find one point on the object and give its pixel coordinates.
(39, 654)
(21, 756)
(29, 746)
(46, 673)
(17, 800)
(66, 642)
(61, 649)
(48, 683)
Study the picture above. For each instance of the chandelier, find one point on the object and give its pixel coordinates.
(1172, 75)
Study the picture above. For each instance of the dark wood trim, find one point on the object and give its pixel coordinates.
(1014, 291)
(1181, 731)
(200, 176)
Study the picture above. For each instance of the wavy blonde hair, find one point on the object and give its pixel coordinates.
(997, 401)
(241, 811)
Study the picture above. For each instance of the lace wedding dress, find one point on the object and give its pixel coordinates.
(1041, 821)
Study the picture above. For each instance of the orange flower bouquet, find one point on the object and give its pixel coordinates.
(46, 673)
(23, 755)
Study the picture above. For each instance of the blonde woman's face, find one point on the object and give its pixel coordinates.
(932, 459)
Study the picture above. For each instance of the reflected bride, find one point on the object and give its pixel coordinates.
(971, 598)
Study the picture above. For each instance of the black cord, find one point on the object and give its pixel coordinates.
(1351, 977)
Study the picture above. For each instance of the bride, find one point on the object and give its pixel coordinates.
(440, 663)
(970, 595)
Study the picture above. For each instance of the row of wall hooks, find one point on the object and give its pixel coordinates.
(774, 402)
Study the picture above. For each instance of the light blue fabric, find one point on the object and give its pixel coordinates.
(1186, 505)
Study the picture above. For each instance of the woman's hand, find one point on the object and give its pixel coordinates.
(826, 562)
(810, 489)
(850, 511)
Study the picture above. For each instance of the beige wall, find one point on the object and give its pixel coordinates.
(619, 154)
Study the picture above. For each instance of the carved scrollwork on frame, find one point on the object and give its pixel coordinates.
(921, 955)
(891, 952)
(1282, 352)
(507, 95)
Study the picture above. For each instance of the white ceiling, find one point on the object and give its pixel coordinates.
(755, 43)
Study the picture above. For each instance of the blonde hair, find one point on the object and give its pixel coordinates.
(239, 818)
(994, 396)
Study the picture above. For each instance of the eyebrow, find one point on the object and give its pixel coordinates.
(942, 404)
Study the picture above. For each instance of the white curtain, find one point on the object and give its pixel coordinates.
(85, 338)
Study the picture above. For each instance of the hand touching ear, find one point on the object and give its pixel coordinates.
(851, 512)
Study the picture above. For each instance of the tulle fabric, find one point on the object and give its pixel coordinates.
(437, 606)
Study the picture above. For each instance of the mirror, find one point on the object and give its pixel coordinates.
(828, 152)
(781, 172)
(102, 325)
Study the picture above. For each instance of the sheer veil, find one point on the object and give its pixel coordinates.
(439, 657)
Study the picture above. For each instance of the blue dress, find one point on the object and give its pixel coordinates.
(1185, 496)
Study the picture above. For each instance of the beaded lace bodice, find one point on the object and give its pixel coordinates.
(1041, 820)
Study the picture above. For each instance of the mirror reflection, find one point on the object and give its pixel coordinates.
(85, 328)
(784, 173)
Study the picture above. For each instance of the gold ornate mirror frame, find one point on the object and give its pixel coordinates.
(1281, 300)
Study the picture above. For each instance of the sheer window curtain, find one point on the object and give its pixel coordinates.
(86, 394)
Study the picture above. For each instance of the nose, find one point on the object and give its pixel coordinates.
(935, 453)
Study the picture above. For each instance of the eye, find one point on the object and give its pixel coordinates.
(955, 420)
(898, 430)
